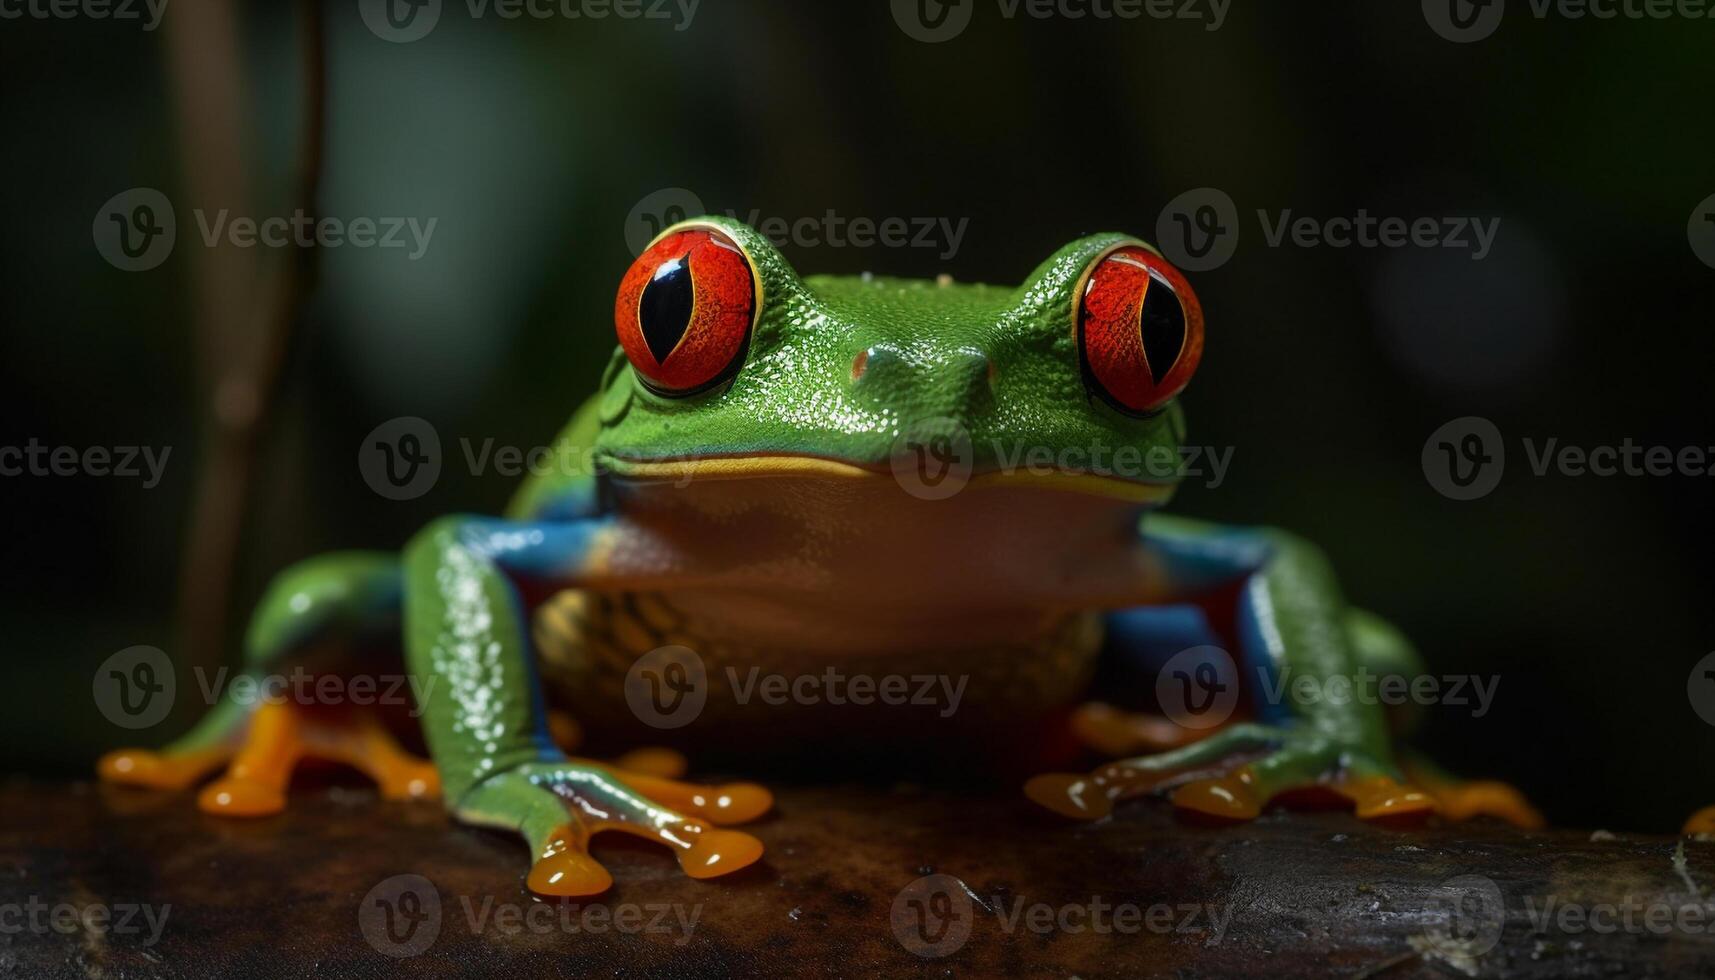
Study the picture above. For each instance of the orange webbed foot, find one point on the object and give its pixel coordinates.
(266, 752)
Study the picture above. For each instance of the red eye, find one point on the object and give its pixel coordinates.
(1140, 330)
(685, 311)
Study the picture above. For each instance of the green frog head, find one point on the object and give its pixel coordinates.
(731, 364)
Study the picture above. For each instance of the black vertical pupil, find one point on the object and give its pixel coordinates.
(1163, 325)
(664, 312)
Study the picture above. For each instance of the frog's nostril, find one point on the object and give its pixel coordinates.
(860, 364)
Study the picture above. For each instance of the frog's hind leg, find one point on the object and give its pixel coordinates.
(1220, 771)
(281, 735)
(1219, 778)
(346, 595)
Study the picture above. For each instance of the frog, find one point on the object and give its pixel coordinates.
(823, 473)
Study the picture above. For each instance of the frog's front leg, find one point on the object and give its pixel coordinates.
(1288, 617)
(466, 581)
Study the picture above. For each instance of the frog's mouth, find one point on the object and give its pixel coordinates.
(922, 477)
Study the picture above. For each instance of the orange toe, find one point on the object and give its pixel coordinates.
(1229, 797)
(566, 869)
(726, 804)
(1489, 798)
(1072, 795)
(236, 797)
(1378, 797)
(416, 782)
(717, 852)
(155, 770)
(733, 803)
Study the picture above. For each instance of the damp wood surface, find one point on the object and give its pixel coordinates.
(315, 892)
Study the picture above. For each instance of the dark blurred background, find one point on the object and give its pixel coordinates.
(532, 142)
